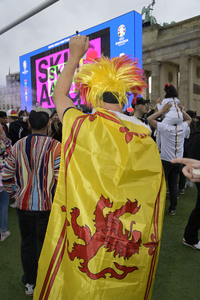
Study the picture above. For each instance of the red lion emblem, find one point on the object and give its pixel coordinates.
(109, 233)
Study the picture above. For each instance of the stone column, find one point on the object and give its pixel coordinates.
(155, 81)
(184, 95)
(147, 74)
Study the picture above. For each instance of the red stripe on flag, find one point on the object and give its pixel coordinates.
(63, 230)
(55, 272)
(53, 260)
(74, 144)
(153, 261)
(150, 275)
(110, 117)
(72, 132)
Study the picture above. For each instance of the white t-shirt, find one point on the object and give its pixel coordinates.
(172, 139)
(174, 115)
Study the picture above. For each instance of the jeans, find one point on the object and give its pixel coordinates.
(171, 175)
(32, 225)
(193, 225)
(4, 202)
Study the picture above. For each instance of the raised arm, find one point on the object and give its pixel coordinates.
(152, 118)
(186, 117)
(78, 46)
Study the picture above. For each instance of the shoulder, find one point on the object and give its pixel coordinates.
(20, 142)
(70, 115)
(55, 143)
(55, 148)
(184, 125)
(165, 100)
(162, 104)
(71, 110)
(12, 126)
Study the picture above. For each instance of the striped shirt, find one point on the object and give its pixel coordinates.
(31, 172)
(5, 147)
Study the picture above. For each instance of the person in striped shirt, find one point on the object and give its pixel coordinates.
(5, 147)
(30, 176)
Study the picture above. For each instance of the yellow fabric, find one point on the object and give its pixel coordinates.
(104, 232)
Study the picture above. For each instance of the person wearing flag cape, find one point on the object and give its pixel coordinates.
(104, 231)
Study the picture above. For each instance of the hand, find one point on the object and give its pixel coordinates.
(180, 106)
(192, 168)
(166, 108)
(55, 119)
(157, 100)
(78, 45)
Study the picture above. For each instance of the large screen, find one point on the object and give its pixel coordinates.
(40, 69)
(47, 66)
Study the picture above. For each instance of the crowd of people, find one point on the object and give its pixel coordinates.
(30, 177)
(34, 167)
(177, 136)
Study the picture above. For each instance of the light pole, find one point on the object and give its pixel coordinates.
(31, 13)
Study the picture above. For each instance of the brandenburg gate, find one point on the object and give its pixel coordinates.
(171, 54)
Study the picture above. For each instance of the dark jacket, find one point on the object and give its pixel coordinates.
(194, 145)
(194, 149)
(17, 130)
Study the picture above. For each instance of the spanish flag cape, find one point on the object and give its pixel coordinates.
(104, 231)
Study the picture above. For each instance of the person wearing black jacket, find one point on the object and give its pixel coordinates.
(191, 230)
(193, 225)
(56, 127)
(18, 127)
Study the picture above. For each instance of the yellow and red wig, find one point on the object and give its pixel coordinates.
(120, 76)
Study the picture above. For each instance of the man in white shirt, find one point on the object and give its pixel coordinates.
(172, 142)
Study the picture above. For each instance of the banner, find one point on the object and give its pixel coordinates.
(104, 231)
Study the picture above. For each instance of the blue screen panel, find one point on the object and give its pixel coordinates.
(40, 69)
